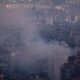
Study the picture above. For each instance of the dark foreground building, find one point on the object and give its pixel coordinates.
(4, 63)
(71, 69)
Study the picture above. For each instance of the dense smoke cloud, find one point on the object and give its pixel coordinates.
(34, 48)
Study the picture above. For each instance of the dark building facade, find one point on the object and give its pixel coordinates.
(71, 69)
(4, 63)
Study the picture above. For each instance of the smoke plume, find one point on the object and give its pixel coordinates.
(34, 48)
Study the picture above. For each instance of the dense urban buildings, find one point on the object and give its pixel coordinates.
(56, 20)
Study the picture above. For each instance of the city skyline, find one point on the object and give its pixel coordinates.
(37, 37)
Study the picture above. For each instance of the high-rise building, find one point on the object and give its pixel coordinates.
(71, 69)
(4, 62)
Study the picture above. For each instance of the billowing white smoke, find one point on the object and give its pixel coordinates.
(35, 48)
